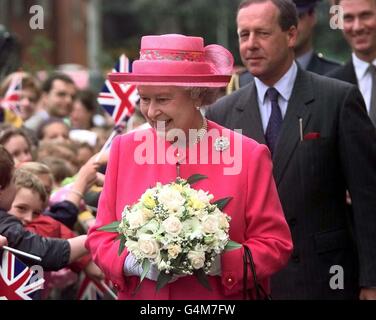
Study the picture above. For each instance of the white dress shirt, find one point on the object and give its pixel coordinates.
(364, 78)
(284, 86)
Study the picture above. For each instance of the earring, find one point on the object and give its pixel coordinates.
(198, 108)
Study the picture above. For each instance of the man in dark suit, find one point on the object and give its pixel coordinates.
(359, 30)
(322, 143)
(305, 54)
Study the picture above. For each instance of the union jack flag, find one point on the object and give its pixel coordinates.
(17, 281)
(12, 96)
(118, 99)
(93, 290)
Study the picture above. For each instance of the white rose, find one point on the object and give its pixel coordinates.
(135, 219)
(172, 225)
(210, 224)
(149, 247)
(171, 199)
(197, 259)
(174, 250)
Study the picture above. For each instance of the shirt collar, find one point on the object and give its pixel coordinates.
(304, 59)
(282, 85)
(361, 66)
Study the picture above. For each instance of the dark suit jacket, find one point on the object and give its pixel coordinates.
(317, 64)
(312, 177)
(320, 65)
(345, 73)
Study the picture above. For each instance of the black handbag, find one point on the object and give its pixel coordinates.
(261, 294)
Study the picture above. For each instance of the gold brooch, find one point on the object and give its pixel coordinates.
(221, 143)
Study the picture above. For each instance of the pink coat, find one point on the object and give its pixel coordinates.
(257, 219)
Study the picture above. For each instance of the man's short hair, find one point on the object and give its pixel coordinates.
(25, 179)
(288, 15)
(48, 83)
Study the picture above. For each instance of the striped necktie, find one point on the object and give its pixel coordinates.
(275, 120)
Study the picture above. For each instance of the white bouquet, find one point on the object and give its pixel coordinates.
(176, 228)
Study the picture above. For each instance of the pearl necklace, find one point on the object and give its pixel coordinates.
(202, 131)
(200, 135)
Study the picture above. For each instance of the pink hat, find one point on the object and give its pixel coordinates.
(178, 60)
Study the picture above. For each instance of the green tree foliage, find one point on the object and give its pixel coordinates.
(37, 52)
(125, 22)
(215, 20)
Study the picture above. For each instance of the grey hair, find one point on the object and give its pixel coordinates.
(207, 95)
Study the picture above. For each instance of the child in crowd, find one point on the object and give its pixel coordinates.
(66, 208)
(55, 253)
(29, 203)
(17, 143)
(54, 129)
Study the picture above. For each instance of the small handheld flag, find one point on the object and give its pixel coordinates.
(119, 100)
(17, 281)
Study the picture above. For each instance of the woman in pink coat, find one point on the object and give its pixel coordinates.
(175, 77)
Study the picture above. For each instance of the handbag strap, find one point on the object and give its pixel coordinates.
(248, 260)
(260, 291)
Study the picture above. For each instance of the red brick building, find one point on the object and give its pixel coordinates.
(63, 39)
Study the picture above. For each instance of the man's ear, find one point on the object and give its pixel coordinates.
(292, 35)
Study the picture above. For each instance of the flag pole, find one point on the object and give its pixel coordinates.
(117, 93)
(22, 253)
(117, 129)
(108, 141)
(109, 291)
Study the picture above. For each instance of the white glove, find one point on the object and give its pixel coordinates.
(133, 268)
(215, 269)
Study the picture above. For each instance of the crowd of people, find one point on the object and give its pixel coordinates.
(53, 138)
(304, 199)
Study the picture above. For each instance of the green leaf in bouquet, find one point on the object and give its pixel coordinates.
(202, 278)
(195, 178)
(112, 227)
(145, 269)
(123, 239)
(231, 245)
(163, 279)
(221, 203)
(146, 264)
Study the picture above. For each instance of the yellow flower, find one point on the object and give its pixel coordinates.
(178, 187)
(148, 201)
(196, 203)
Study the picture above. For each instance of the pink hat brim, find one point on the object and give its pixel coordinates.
(172, 80)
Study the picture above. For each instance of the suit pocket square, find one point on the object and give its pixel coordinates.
(312, 136)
